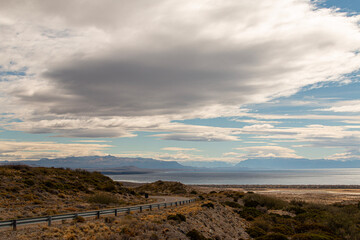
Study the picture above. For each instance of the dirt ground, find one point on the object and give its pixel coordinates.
(315, 195)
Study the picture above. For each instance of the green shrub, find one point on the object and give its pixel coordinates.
(193, 192)
(273, 236)
(310, 236)
(282, 228)
(195, 235)
(295, 209)
(232, 204)
(254, 200)
(249, 213)
(255, 231)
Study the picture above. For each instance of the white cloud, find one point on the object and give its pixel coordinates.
(268, 151)
(128, 66)
(91, 141)
(179, 149)
(16, 150)
(344, 106)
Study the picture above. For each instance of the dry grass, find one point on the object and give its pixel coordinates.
(37, 191)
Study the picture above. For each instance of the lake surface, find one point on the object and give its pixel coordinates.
(284, 177)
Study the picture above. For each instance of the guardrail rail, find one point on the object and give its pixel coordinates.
(49, 219)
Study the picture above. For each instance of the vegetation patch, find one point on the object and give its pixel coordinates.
(162, 187)
(208, 205)
(103, 198)
(178, 217)
(195, 235)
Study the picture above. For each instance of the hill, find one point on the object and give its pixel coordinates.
(27, 191)
(295, 163)
(102, 162)
(161, 187)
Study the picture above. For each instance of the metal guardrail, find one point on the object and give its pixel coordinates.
(49, 219)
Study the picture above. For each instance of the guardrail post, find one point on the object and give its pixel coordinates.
(14, 223)
(128, 210)
(98, 214)
(49, 221)
(158, 206)
(176, 204)
(150, 207)
(140, 208)
(116, 212)
(165, 205)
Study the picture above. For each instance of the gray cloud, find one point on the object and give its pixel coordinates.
(157, 83)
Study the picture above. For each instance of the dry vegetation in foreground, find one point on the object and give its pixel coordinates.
(27, 191)
(217, 215)
(185, 222)
(223, 214)
(271, 218)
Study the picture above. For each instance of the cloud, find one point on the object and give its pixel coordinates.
(91, 141)
(268, 151)
(344, 106)
(204, 137)
(179, 149)
(17, 150)
(353, 154)
(118, 61)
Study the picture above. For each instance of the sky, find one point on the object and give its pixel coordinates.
(203, 80)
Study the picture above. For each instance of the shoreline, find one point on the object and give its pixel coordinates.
(256, 186)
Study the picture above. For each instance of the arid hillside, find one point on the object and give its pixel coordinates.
(36, 191)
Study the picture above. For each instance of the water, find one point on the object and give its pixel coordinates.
(284, 177)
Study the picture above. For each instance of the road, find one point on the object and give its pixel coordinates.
(163, 202)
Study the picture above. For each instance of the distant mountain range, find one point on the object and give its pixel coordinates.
(102, 162)
(137, 165)
(208, 164)
(295, 163)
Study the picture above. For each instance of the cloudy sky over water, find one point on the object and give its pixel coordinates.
(180, 80)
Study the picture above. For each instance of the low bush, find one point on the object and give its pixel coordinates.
(208, 205)
(195, 235)
(103, 198)
(254, 200)
(79, 219)
(178, 217)
(273, 236)
(255, 231)
(232, 204)
(310, 236)
(249, 213)
(283, 229)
